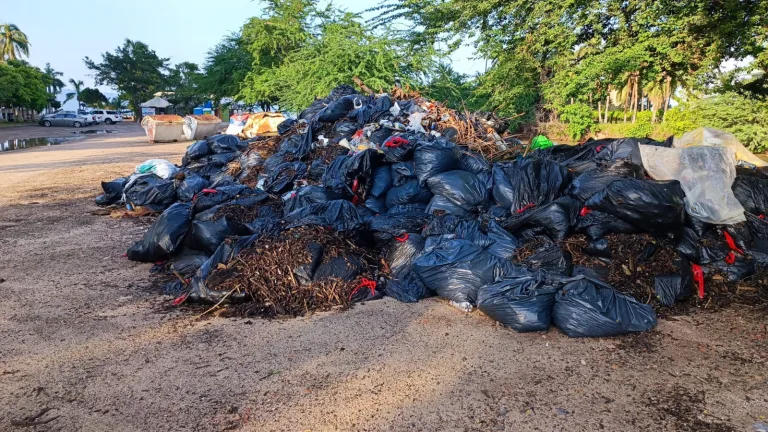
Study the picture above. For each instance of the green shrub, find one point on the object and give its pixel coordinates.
(579, 117)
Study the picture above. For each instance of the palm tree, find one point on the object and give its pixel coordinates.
(53, 83)
(13, 42)
(78, 85)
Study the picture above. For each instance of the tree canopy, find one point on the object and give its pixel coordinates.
(92, 97)
(226, 66)
(22, 86)
(13, 42)
(133, 69)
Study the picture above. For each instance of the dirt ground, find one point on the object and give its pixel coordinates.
(83, 332)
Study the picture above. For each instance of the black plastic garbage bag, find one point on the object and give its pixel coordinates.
(226, 143)
(397, 225)
(434, 157)
(308, 195)
(191, 186)
(653, 206)
(528, 182)
(752, 193)
(670, 289)
(705, 248)
(197, 150)
(380, 135)
(461, 187)
(556, 219)
(164, 236)
(593, 181)
(199, 292)
(377, 205)
(344, 129)
(282, 177)
(286, 126)
(208, 231)
(113, 191)
(340, 215)
(399, 148)
(188, 261)
(503, 243)
(551, 258)
(473, 162)
(409, 193)
(625, 149)
(402, 173)
(406, 287)
(590, 308)
(415, 209)
(444, 224)
(208, 199)
(597, 224)
(734, 268)
(442, 205)
(456, 269)
(335, 177)
(524, 304)
(381, 181)
(337, 109)
(150, 191)
(402, 252)
(346, 268)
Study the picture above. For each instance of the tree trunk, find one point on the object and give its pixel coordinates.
(635, 99)
(668, 96)
(607, 104)
(599, 112)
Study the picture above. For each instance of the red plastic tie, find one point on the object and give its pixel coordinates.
(403, 238)
(355, 186)
(731, 243)
(527, 206)
(364, 283)
(209, 191)
(160, 262)
(698, 278)
(599, 148)
(125, 255)
(358, 134)
(180, 299)
(584, 211)
(395, 141)
(355, 199)
(730, 258)
(762, 216)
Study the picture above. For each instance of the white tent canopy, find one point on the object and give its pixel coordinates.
(156, 102)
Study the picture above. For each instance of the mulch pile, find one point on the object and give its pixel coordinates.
(266, 273)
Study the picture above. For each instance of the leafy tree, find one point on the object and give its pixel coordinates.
(13, 42)
(454, 89)
(53, 85)
(317, 50)
(184, 84)
(92, 97)
(22, 86)
(118, 102)
(134, 69)
(226, 67)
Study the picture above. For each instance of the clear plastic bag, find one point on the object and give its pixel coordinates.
(706, 175)
(717, 138)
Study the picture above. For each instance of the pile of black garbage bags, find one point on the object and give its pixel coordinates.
(446, 220)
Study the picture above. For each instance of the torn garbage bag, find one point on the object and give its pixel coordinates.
(164, 236)
(283, 176)
(523, 304)
(590, 308)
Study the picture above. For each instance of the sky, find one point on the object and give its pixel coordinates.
(62, 34)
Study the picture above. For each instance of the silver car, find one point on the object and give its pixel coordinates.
(64, 119)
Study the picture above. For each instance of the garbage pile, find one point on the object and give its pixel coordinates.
(363, 196)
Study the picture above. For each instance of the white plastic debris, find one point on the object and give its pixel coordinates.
(160, 167)
(414, 122)
(706, 175)
(395, 110)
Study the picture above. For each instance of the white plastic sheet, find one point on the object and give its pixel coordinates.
(706, 175)
(717, 138)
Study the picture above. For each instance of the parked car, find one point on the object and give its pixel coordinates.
(65, 119)
(107, 116)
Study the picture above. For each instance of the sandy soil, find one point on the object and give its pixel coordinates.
(83, 332)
